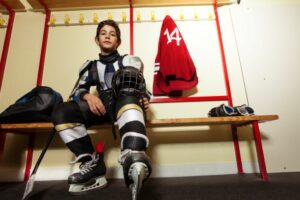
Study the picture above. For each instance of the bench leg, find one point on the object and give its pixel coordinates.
(237, 149)
(31, 138)
(259, 151)
(2, 142)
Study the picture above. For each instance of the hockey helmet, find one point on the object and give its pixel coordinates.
(128, 81)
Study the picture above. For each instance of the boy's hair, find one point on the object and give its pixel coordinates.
(110, 23)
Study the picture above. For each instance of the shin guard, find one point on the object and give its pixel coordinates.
(134, 142)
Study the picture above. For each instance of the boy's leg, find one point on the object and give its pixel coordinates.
(69, 123)
(134, 142)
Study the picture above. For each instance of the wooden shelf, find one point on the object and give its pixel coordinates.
(16, 5)
(78, 4)
(149, 3)
(56, 5)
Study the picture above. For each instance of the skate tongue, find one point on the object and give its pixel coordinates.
(100, 147)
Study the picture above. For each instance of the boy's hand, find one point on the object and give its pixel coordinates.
(145, 102)
(95, 104)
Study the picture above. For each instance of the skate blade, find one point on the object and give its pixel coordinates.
(81, 188)
(138, 172)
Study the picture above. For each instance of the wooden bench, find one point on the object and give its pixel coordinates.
(32, 128)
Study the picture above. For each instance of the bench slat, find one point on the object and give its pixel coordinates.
(237, 120)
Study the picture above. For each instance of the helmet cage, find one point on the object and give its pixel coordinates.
(128, 81)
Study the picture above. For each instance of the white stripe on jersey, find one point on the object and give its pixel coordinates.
(101, 73)
(116, 66)
(156, 68)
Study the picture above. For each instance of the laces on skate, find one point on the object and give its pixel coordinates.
(78, 158)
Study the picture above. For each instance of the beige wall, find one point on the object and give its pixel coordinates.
(268, 44)
(189, 150)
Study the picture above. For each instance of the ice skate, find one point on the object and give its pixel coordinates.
(90, 176)
(93, 183)
(137, 172)
(136, 169)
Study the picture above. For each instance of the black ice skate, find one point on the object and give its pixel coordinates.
(90, 176)
(136, 169)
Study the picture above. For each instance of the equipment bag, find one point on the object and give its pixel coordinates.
(35, 106)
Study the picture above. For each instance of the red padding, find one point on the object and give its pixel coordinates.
(100, 147)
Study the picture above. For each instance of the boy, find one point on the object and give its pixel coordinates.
(85, 109)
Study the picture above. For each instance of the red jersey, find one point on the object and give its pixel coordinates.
(174, 68)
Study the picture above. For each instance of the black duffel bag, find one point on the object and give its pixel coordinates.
(35, 106)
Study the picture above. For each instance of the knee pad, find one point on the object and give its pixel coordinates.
(130, 118)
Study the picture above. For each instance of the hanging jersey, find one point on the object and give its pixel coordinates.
(174, 68)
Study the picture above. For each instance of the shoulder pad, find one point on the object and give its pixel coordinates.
(133, 61)
(84, 67)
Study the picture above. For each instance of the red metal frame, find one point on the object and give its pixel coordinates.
(39, 77)
(188, 99)
(227, 97)
(29, 156)
(5, 49)
(31, 138)
(224, 64)
(228, 91)
(44, 44)
(237, 150)
(131, 28)
(259, 151)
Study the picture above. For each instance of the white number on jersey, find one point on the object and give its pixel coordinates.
(171, 36)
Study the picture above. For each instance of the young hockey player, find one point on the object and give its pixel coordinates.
(116, 101)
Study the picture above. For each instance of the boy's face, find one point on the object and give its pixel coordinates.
(107, 39)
